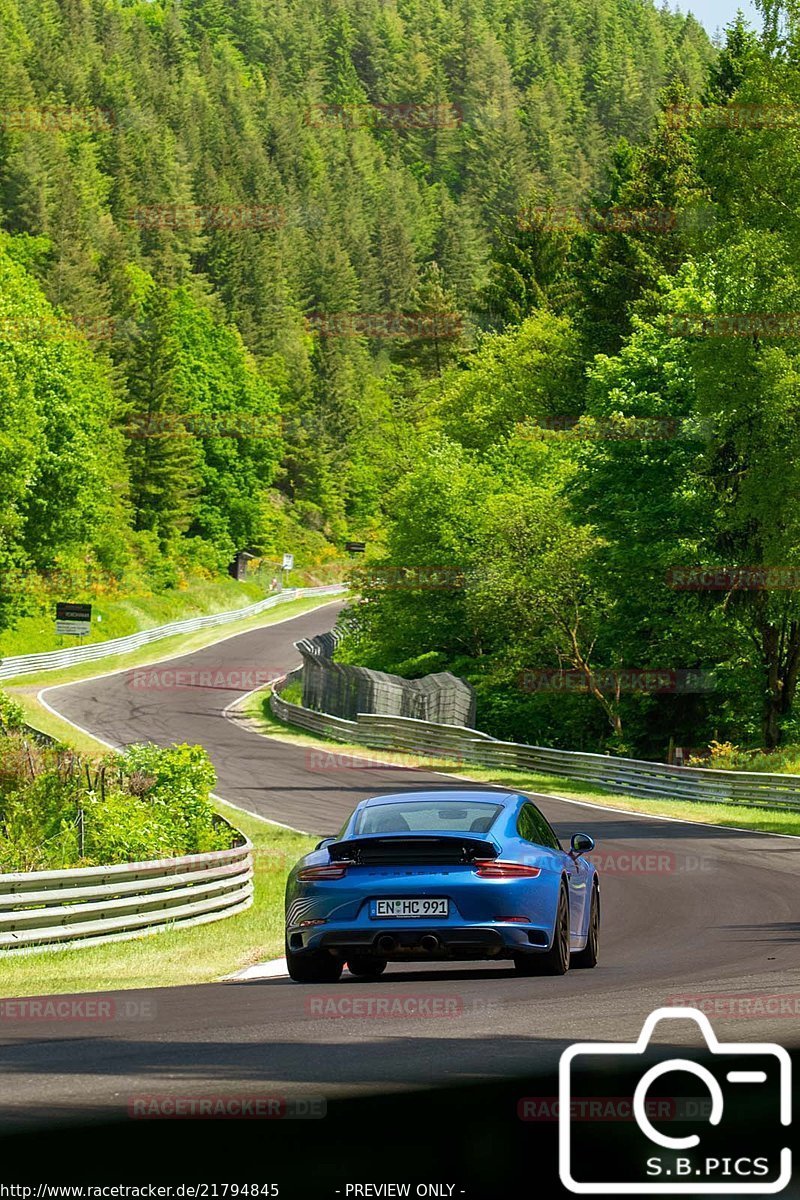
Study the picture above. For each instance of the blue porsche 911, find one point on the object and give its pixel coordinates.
(441, 876)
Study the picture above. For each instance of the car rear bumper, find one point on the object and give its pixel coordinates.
(424, 943)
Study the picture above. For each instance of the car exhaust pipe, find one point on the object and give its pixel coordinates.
(386, 943)
(430, 943)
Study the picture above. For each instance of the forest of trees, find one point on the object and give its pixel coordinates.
(185, 187)
(615, 473)
(278, 274)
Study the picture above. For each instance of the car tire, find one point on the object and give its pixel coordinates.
(556, 961)
(588, 956)
(365, 967)
(313, 966)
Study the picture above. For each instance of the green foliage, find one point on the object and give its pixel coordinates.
(58, 810)
(723, 756)
(176, 782)
(176, 175)
(569, 549)
(529, 373)
(12, 716)
(292, 692)
(500, 444)
(163, 457)
(60, 458)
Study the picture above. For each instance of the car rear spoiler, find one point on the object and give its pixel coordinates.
(412, 849)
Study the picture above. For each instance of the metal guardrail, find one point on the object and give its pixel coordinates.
(31, 664)
(625, 775)
(85, 906)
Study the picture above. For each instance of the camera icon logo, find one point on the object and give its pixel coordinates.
(620, 1115)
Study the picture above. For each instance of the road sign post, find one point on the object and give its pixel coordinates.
(74, 619)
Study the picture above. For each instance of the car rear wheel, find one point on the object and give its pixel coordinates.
(588, 956)
(556, 961)
(313, 966)
(366, 967)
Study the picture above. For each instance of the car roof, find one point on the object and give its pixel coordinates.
(505, 799)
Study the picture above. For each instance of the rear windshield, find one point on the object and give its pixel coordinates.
(430, 816)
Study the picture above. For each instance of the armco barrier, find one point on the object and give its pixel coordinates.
(46, 910)
(31, 664)
(627, 775)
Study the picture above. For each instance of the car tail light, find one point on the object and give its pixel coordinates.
(518, 920)
(309, 874)
(497, 868)
(315, 921)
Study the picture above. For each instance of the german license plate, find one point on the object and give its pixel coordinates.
(409, 908)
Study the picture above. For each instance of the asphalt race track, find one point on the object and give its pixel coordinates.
(688, 910)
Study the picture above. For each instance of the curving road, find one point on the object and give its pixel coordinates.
(688, 909)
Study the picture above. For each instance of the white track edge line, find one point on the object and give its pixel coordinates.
(121, 670)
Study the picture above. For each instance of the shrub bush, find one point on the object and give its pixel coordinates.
(727, 757)
(60, 810)
(11, 714)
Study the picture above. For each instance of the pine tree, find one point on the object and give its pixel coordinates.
(441, 323)
(163, 456)
(528, 269)
(639, 230)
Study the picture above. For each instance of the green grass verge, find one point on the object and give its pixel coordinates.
(119, 614)
(257, 710)
(179, 956)
(116, 616)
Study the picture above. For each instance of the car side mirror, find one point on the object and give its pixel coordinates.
(325, 842)
(581, 843)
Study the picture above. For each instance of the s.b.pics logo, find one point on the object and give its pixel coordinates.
(707, 1120)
